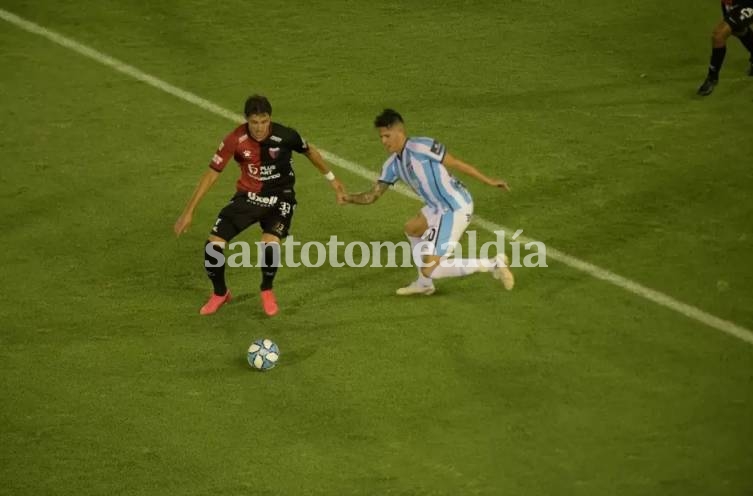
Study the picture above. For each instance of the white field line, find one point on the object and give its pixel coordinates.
(657, 297)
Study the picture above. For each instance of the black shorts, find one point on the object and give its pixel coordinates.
(273, 212)
(739, 15)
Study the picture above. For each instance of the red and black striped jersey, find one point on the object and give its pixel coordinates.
(265, 166)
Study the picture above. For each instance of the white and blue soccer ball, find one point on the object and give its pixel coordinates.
(263, 354)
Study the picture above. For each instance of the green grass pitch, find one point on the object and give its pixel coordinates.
(112, 384)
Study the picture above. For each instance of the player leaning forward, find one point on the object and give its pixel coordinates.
(423, 164)
(265, 194)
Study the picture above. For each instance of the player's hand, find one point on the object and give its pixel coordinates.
(182, 224)
(339, 191)
(499, 183)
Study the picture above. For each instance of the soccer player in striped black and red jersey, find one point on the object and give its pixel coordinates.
(737, 20)
(264, 193)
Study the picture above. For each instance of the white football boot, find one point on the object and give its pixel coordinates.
(415, 288)
(502, 273)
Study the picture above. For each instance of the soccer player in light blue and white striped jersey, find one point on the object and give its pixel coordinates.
(424, 164)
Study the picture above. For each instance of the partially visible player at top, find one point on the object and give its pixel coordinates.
(737, 20)
(424, 164)
(264, 193)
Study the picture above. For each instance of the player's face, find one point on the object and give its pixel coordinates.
(259, 124)
(393, 138)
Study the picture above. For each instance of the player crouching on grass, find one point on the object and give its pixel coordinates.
(265, 194)
(423, 164)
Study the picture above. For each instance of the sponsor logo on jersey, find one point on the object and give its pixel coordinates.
(269, 178)
(262, 200)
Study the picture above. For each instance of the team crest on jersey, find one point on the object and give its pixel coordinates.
(274, 152)
(246, 153)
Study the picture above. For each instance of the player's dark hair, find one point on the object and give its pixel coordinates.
(388, 118)
(256, 105)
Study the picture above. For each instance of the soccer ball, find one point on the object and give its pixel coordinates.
(263, 354)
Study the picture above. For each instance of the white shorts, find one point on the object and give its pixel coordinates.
(445, 228)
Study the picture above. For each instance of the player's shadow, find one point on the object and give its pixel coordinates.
(243, 297)
(298, 355)
(247, 303)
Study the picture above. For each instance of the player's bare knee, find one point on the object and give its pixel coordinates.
(411, 230)
(415, 227)
(269, 238)
(719, 36)
(216, 240)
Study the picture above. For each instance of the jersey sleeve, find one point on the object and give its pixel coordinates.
(389, 172)
(437, 151)
(224, 153)
(427, 147)
(296, 142)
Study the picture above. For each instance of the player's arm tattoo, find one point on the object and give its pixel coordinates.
(368, 197)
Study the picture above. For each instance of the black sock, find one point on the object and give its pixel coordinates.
(747, 40)
(269, 265)
(213, 254)
(717, 59)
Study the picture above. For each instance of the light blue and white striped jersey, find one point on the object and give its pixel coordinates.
(420, 166)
